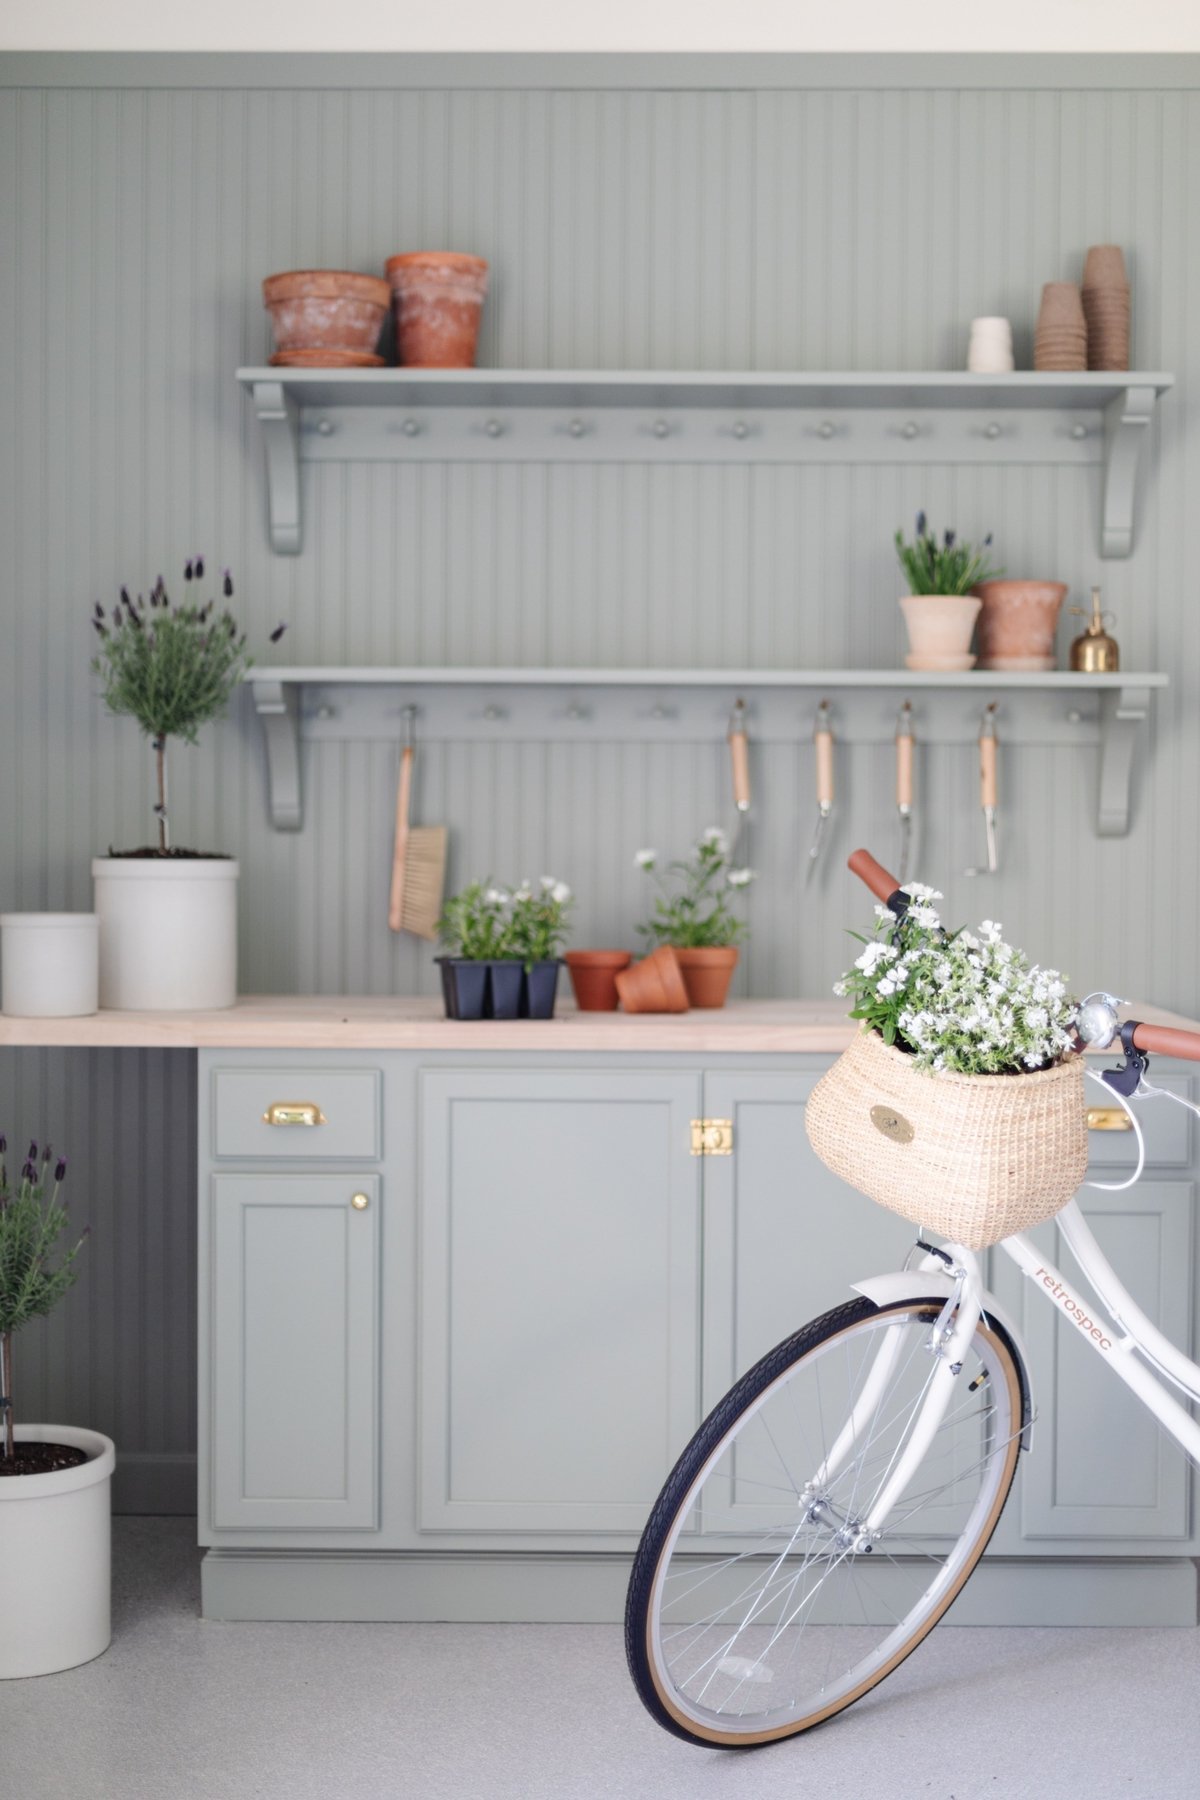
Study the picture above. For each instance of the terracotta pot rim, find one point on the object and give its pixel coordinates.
(437, 259)
(996, 587)
(326, 284)
(598, 958)
(706, 953)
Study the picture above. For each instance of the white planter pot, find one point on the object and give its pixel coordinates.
(49, 964)
(168, 933)
(55, 1556)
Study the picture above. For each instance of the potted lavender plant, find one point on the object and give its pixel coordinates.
(940, 610)
(54, 1479)
(168, 915)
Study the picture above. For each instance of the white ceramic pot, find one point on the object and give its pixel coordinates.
(49, 964)
(939, 630)
(990, 351)
(168, 933)
(55, 1555)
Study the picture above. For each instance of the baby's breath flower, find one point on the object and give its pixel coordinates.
(645, 859)
(740, 878)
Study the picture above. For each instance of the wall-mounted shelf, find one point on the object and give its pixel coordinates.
(529, 415)
(692, 706)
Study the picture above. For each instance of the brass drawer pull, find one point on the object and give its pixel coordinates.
(1108, 1118)
(294, 1112)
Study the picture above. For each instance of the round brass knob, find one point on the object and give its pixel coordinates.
(360, 1202)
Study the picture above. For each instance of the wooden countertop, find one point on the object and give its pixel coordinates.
(382, 1022)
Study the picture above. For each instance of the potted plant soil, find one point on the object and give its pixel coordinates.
(693, 914)
(54, 1479)
(940, 610)
(502, 949)
(965, 1059)
(168, 915)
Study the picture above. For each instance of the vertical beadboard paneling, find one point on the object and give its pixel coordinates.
(784, 229)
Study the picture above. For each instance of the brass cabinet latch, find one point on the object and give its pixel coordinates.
(1108, 1118)
(712, 1137)
(294, 1112)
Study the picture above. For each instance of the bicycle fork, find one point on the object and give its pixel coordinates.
(949, 1337)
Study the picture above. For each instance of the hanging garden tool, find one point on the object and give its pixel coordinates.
(823, 740)
(987, 788)
(904, 785)
(739, 759)
(419, 857)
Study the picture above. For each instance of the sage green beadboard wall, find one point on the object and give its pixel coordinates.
(836, 227)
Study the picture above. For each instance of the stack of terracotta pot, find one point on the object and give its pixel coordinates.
(333, 318)
(1060, 340)
(1106, 307)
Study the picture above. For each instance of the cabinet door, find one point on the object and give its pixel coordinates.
(294, 1351)
(783, 1237)
(1099, 1466)
(559, 1367)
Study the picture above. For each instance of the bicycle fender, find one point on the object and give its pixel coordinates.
(914, 1284)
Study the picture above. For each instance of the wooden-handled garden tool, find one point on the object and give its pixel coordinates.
(823, 744)
(987, 788)
(739, 761)
(419, 857)
(904, 784)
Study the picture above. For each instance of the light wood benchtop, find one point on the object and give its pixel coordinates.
(382, 1022)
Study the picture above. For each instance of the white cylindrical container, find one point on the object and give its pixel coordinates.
(990, 351)
(168, 932)
(55, 1556)
(49, 964)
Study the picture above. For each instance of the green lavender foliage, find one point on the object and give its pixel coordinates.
(693, 907)
(172, 668)
(948, 567)
(34, 1272)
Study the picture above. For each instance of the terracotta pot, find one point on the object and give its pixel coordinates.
(653, 985)
(594, 977)
(1018, 623)
(1104, 267)
(326, 309)
(439, 297)
(707, 973)
(939, 630)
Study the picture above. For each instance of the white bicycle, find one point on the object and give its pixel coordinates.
(831, 1507)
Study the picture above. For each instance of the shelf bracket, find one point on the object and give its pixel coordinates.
(1123, 715)
(1125, 420)
(276, 704)
(279, 415)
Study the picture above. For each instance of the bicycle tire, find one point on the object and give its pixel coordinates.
(658, 1686)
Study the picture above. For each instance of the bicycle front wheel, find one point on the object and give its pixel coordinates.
(758, 1604)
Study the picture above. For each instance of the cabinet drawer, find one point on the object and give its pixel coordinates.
(1165, 1127)
(266, 1113)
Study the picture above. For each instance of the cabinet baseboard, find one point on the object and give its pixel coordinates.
(381, 1586)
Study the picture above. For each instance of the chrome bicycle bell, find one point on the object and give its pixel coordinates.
(1096, 1021)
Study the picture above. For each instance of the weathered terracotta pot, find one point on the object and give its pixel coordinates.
(653, 985)
(594, 977)
(326, 309)
(1018, 623)
(939, 630)
(707, 973)
(438, 296)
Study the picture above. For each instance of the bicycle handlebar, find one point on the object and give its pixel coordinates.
(1156, 1040)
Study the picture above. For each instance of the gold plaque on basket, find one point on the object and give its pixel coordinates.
(892, 1124)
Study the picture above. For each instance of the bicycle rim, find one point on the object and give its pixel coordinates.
(756, 1609)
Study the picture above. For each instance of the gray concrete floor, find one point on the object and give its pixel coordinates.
(182, 1710)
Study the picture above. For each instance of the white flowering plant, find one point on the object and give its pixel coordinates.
(963, 1001)
(489, 923)
(694, 906)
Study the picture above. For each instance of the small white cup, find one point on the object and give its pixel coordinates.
(49, 964)
(990, 350)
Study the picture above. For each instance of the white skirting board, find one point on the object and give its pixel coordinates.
(378, 1587)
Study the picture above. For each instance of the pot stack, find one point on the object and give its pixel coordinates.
(1106, 307)
(1060, 340)
(326, 318)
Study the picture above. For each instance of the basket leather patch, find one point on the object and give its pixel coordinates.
(892, 1124)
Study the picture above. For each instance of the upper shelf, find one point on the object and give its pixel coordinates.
(624, 415)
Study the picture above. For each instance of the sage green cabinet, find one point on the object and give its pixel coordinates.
(559, 1361)
(294, 1352)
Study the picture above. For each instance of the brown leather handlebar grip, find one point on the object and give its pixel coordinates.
(1168, 1040)
(881, 884)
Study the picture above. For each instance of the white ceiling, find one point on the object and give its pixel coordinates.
(607, 25)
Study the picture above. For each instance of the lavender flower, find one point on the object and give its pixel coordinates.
(278, 633)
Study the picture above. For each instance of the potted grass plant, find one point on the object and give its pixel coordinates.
(54, 1479)
(168, 915)
(940, 610)
(694, 914)
(502, 949)
(959, 1103)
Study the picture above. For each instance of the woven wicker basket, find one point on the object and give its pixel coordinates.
(973, 1157)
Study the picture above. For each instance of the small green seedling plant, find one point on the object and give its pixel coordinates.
(693, 909)
(35, 1271)
(489, 923)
